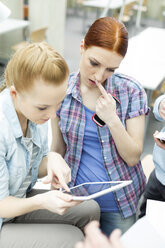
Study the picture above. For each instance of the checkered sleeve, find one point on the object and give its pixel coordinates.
(137, 103)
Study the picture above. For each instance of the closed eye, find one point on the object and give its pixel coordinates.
(41, 109)
(93, 63)
(110, 69)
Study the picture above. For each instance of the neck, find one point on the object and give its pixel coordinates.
(22, 119)
(24, 124)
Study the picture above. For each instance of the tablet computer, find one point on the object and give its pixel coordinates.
(91, 190)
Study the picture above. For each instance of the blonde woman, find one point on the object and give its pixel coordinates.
(36, 80)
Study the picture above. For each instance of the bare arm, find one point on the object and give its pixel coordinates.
(42, 172)
(58, 144)
(53, 165)
(129, 141)
(54, 201)
(56, 169)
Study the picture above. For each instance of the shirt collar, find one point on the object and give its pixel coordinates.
(74, 87)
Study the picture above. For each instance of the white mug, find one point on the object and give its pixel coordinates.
(4, 12)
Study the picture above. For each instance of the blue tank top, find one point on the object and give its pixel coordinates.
(91, 167)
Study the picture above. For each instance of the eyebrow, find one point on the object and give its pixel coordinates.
(99, 63)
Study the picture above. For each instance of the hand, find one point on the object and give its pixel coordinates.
(105, 105)
(56, 201)
(96, 239)
(159, 143)
(59, 173)
(162, 109)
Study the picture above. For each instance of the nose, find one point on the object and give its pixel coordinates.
(99, 75)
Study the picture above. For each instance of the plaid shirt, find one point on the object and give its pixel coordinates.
(131, 102)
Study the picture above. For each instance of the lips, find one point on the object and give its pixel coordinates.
(45, 119)
(92, 82)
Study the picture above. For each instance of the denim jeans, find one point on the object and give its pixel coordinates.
(110, 221)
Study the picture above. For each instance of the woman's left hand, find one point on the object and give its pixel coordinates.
(105, 105)
(58, 172)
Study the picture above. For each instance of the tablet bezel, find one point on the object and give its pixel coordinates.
(102, 192)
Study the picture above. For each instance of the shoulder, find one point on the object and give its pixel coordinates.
(127, 82)
(5, 130)
(7, 138)
(126, 87)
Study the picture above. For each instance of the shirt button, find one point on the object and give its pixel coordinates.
(105, 157)
(102, 141)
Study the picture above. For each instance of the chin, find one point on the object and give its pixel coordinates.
(38, 122)
(42, 121)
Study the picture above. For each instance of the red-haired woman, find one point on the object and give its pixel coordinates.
(110, 152)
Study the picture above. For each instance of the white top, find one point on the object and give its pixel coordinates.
(145, 58)
(12, 24)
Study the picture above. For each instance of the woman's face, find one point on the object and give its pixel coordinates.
(97, 64)
(40, 103)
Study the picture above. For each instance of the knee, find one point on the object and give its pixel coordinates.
(92, 209)
(72, 236)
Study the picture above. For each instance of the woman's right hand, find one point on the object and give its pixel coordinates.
(56, 201)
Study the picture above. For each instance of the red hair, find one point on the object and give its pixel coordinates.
(108, 33)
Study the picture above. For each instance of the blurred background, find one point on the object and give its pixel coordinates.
(63, 23)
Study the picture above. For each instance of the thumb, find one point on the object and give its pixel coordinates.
(64, 196)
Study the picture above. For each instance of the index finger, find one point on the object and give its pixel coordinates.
(102, 90)
(63, 184)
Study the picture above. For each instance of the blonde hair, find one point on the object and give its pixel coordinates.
(34, 61)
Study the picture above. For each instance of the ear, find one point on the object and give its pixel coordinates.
(13, 92)
(82, 46)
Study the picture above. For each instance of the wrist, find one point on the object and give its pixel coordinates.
(113, 121)
(38, 201)
(53, 155)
